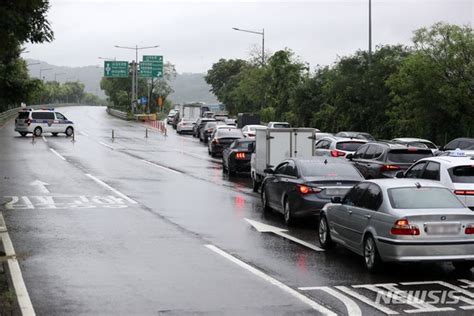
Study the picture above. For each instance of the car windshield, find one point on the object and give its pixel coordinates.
(408, 155)
(423, 198)
(281, 125)
(210, 124)
(329, 171)
(462, 174)
(349, 145)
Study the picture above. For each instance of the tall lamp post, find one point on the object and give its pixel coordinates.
(134, 68)
(258, 33)
(370, 31)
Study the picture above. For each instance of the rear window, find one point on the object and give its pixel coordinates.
(242, 145)
(462, 174)
(210, 124)
(231, 133)
(43, 115)
(330, 171)
(281, 125)
(407, 155)
(348, 146)
(423, 198)
(23, 115)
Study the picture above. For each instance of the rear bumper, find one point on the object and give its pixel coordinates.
(239, 165)
(185, 129)
(309, 205)
(22, 129)
(406, 251)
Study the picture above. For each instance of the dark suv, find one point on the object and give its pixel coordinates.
(200, 124)
(385, 159)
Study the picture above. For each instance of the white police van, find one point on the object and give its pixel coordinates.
(42, 121)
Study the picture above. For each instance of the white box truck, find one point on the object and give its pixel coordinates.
(273, 145)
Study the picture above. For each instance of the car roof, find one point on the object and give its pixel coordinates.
(320, 159)
(256, 125)
(392, 145)
(279, 123)
(451, 161)
(389, 183)
(343, 139)
(408, 139)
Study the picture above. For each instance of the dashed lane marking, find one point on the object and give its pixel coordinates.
(102, 183)
(104, 144)
(161, 167)
(84, 133)
(272, 281)
(57, 154)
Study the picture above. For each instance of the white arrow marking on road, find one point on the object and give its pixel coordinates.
(41, 186)
(265, 228)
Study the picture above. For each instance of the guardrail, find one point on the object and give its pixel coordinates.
(122, 115)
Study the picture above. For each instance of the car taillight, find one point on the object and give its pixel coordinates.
(403, 227)
(389, 168)
(469, 229)
(240, 155)
(209, 130)
(464, 192)
(28, 121)
(337, 153)
(304, 189)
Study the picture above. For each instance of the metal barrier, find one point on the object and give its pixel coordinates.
(119, 114)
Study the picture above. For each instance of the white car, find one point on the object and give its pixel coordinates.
(337, 146)
(185, 126)
(417, 142)
(455, 172)
(250, 130)
(37, 122)
(278, 125)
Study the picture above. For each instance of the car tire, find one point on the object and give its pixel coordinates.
(265, 206)
(23, 134)
(213, 155)
(230, 172)
(255, 185)
(324, 233)
(69, 131)
(38, 131)
(287, 216)
(371, 255)
(463, 266)
(55, 134)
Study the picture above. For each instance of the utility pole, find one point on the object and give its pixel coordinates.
(370, 32)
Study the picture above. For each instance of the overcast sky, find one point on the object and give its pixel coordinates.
(195, 34)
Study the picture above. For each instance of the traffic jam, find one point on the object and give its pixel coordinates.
(403, 200)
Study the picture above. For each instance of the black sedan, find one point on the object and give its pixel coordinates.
(236, 157)
(206, 131)
(302, 187)
(221, 138)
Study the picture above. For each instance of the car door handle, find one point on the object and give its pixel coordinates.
(368, 216)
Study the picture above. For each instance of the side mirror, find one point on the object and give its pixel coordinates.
(399, 175)
(349, 156)
(336, 200)
(269, 171)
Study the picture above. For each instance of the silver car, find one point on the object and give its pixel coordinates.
(400, 220)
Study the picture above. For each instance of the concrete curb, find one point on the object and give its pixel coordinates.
(24, 305)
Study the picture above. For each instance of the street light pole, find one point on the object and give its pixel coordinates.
(370, 31)
(135, 67)
(263, 40)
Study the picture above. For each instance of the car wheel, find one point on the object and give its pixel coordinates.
(213, 154)
(287, 212)
(266, 207)
(463, 266)
(55, 134)
(23, 134)
(69, 131)
(38, 131)
(230, 172)
(255, 185)
(371, 255)
(324, 235)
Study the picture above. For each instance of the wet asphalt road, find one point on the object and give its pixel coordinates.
(145, 226)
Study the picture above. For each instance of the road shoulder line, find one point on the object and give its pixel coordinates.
(57, 154)
(102, 183)
(272, 281)
(23, 298)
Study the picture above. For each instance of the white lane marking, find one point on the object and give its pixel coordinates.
(470, 302)
(111, 189)
(23, 298)
(57, 154)
(351, 306)
(104, 144)
(41, 186)
(161, 167)
(44, 139)
(272, 281)
(469, 285)
(200, 156)
(84, 133)
(366, 300)
(265, 228)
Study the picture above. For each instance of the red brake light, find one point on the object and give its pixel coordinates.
(389, 168)
(28, 121)
(337, 153)
(304, 189)
(240, 155)
(403, 227)
(464, 192)
(469, 229)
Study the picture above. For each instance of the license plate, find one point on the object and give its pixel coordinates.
(336, 191)
(442, 228)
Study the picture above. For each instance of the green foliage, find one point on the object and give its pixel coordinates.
(268, 114)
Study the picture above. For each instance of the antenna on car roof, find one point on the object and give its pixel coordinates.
(418, 185)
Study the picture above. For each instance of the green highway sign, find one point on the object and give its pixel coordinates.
(153, 58)
(150, 69)
(116, 69)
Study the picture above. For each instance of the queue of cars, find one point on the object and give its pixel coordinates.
(403, 200)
